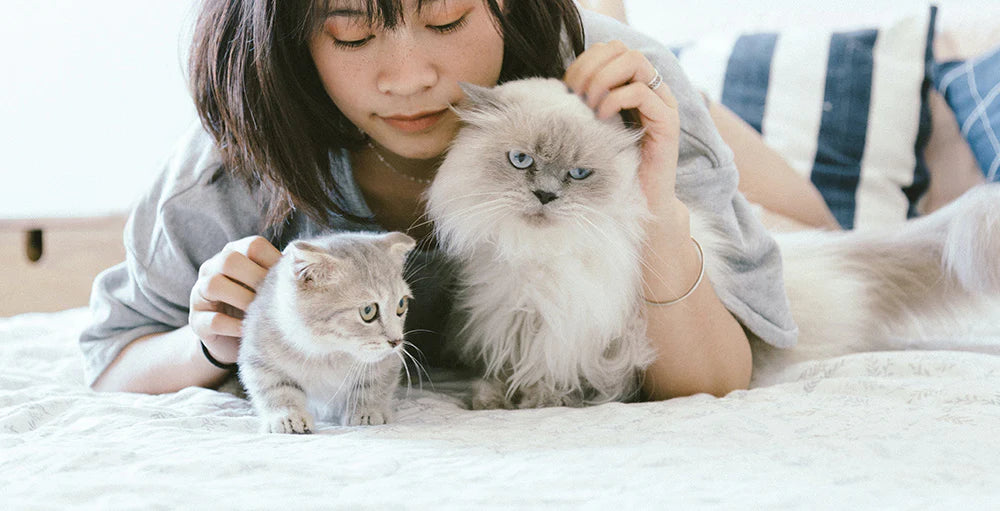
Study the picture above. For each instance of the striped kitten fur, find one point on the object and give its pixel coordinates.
(323, 339)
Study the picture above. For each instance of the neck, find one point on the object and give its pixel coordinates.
(420, 169)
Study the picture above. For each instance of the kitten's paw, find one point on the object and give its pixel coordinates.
(294, 422)
(490, 395)
(367, 418)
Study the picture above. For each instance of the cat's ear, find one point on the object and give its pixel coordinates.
(310, 263)
(397, 245)
(478, 101)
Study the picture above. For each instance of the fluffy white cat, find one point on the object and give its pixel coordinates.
(539, 204)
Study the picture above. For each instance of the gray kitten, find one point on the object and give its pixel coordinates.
(324, 336)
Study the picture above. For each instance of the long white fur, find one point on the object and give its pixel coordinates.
(550, 308)
(935, 278)
(545, 307)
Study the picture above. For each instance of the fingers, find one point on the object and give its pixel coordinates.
(625, 68)
(235, 265)
(606, 67)
(258, 250)
(226, 286)
(657, 117)
(210, 325)
(220, 288)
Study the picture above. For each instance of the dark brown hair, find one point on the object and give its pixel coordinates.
(259, 95)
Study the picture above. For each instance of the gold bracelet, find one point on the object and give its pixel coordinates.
(701, 275)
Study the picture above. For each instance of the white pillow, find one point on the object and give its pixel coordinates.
(846, 109)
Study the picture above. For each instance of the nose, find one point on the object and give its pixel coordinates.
(406, 69)
(545, 197)
(395, 342)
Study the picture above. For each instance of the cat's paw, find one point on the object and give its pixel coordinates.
(365, 417)
(293, 422)
(541, 397)
(490, 395)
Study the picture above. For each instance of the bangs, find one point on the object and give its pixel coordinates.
(381, 13)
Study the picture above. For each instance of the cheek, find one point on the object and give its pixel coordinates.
(338, 74)
(478, 57)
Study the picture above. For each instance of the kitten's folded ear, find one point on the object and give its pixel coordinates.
(397, 244)
(311, 263)
(478, 101)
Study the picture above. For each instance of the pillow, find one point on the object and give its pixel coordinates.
(847, 109)
(972, 89)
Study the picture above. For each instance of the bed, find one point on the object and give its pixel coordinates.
(889, 430)
(914, 429)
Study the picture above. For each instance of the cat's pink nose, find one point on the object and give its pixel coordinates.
(395, 342)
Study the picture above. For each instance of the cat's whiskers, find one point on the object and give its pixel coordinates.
(355, 391)
(597, 230)
(426, 215)
(467, 214)
(419, 367)
(347, 378)
(475, 209)
(643, 242)
(409, 381)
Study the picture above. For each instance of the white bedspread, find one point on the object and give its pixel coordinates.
(893, 430)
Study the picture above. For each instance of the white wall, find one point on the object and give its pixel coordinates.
(975, 22)
(92, 99)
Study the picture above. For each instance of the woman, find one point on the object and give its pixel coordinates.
(332, 115)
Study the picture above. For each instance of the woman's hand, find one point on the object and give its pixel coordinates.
(610, 78)
(226, 285)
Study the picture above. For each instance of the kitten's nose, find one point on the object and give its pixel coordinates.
(395, 342)
(545, 197)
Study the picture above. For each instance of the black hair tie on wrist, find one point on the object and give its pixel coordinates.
(213, 361)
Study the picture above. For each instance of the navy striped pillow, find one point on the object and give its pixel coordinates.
(847, 109)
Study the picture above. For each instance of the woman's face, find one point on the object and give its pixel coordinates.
(396, 85)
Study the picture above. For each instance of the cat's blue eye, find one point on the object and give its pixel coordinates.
(579, 173)
(369, 312)
(404, 302)
(520, 159)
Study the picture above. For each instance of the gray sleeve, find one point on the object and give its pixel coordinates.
(748, 277)
(184, 219)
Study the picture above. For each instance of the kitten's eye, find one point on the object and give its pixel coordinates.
(519, 159)
(404, 302)
(369, 312)
(579, 173)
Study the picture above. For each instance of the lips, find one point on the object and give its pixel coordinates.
(414, 123)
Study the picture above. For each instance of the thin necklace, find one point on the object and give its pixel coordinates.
(393, 169)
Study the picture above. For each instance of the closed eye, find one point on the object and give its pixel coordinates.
(353, 44)
(450, 27)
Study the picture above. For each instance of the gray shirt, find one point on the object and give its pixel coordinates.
(186, 217)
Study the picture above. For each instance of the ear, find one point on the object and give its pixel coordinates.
(397, 245)
(310, 263)
(478, 101)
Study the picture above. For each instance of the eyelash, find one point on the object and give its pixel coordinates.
(451, 27)
(350, 45)
(441, 29)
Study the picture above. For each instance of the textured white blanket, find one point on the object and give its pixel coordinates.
(892, 430)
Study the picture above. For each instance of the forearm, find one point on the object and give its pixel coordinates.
(160, 363)
(700, 345)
